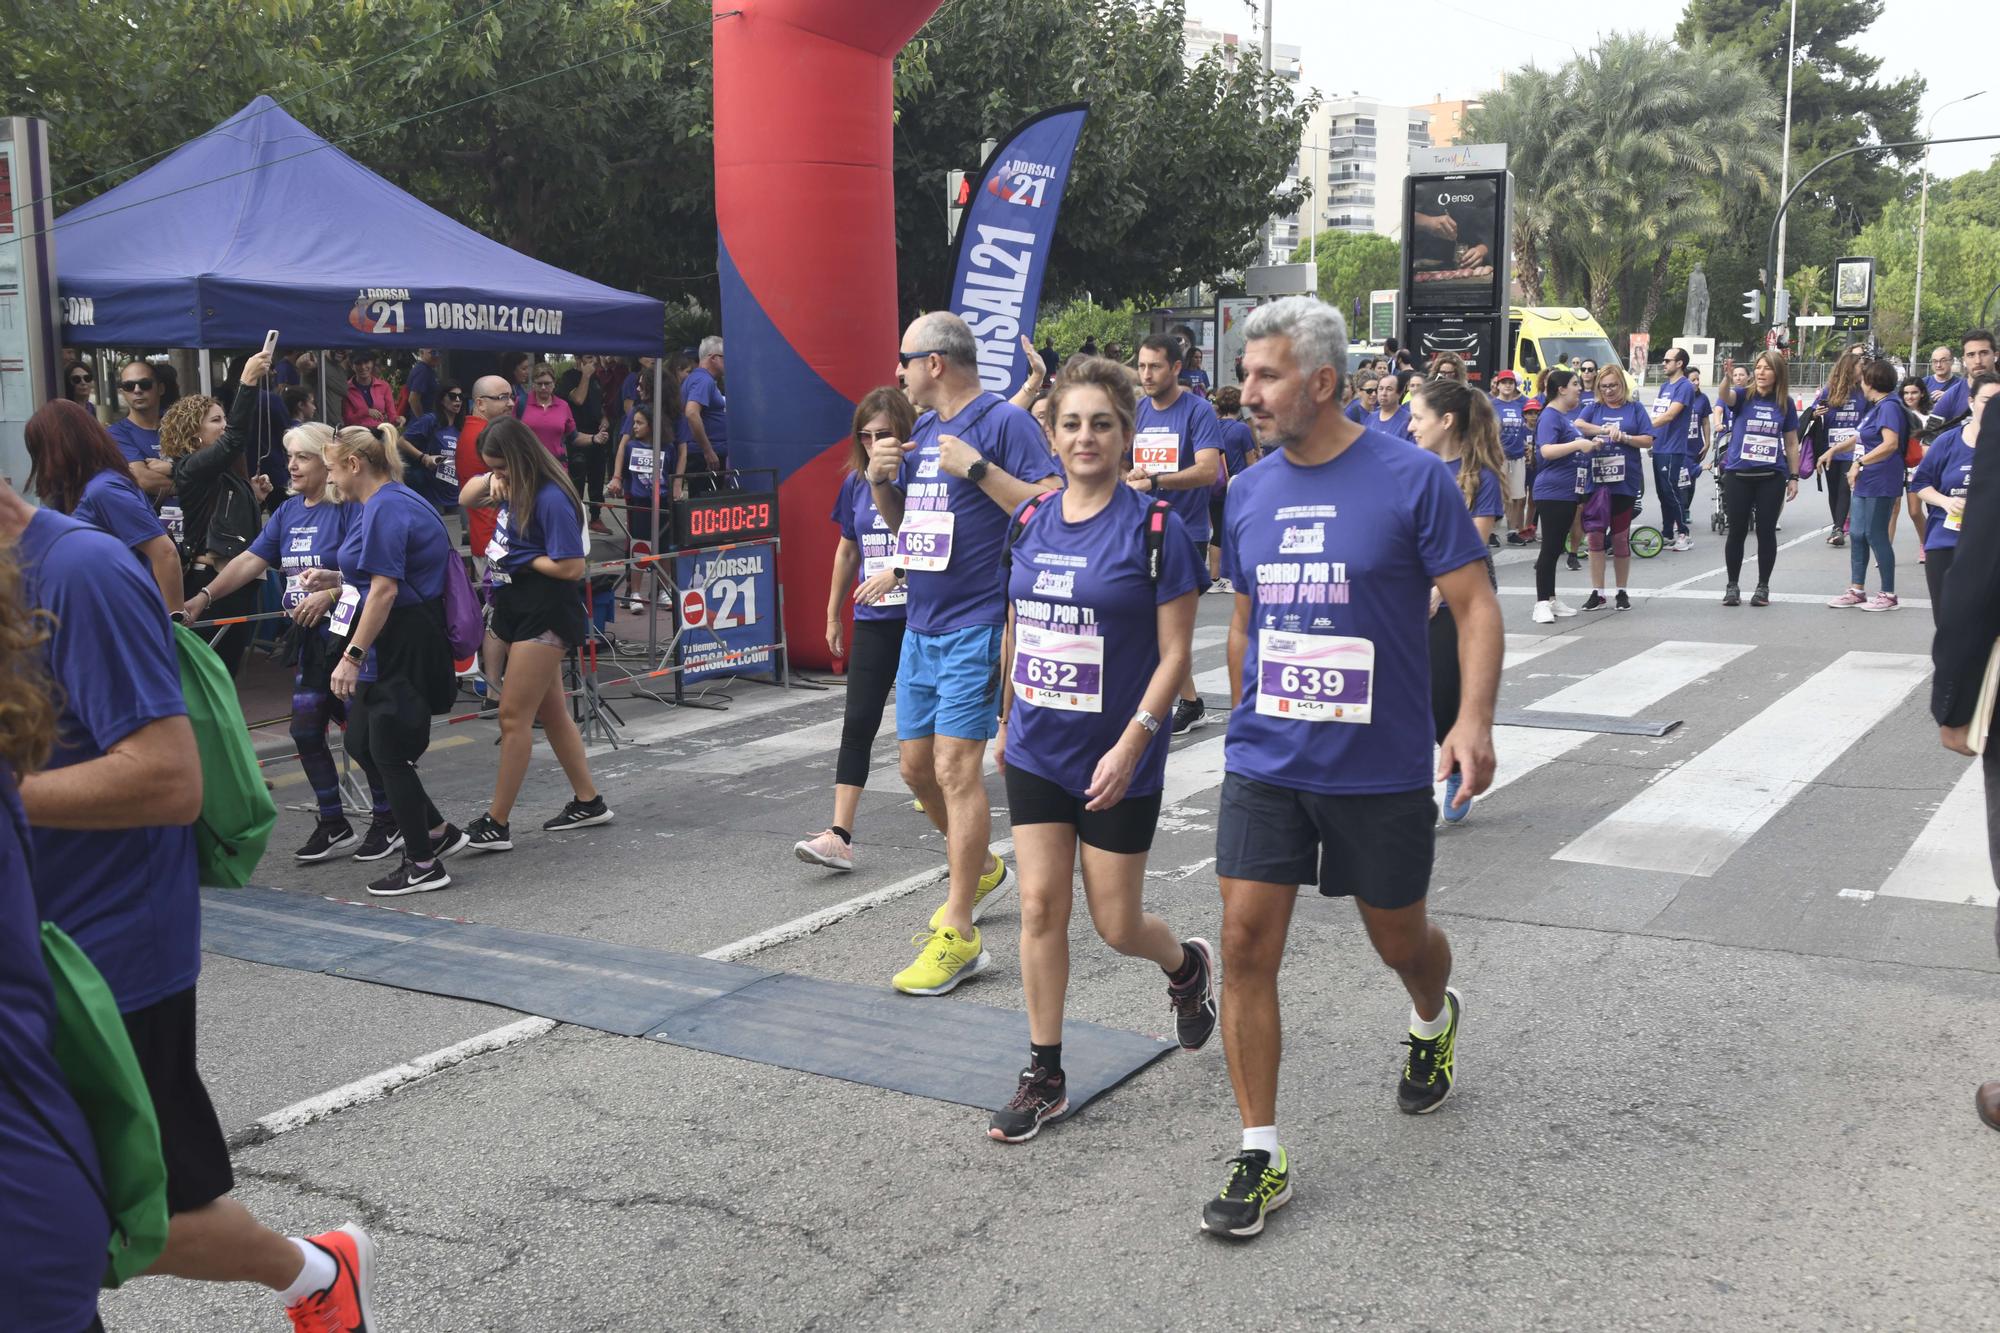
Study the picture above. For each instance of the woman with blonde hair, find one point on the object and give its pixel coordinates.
(536, 561)
(1617, 471)
(220, 501)
(863, 572)
(305, 535)
(395, 670)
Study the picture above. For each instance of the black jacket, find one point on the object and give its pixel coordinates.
(220, 513)
(1969, 621)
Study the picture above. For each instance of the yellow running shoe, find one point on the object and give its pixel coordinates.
(945, 960)
(989, 884)
(917, 806)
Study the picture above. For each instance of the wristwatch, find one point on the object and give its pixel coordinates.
(899, 571)
(1148, 721)
(977, 472)
(356, 654)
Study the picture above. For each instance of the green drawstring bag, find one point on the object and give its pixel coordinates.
(237, 812)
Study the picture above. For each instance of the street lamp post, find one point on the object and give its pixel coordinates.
(1923, 209)
(1778, 301)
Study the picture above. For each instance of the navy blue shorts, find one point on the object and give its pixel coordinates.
(1375, 847)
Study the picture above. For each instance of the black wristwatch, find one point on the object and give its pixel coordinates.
(355, 653)
(977, 472)
(899, 571)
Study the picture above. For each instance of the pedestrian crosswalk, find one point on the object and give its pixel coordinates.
(1760, 729)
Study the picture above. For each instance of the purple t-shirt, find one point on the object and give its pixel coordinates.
(556, 531)
(1188, 426)
(1238, 440)
(700, 388)
(299, 536)
(126, 896)
(134, 441)
(1565, 478)
(49, 1212)
(1957, 396)
(1513, 426)
(1087, 638)
(1757, 433)
(1843, 423)
(1397, 423)
(112, 503)
(1947, 467)
(1338, 562)
(1486, 502)
(1883, 478)
(969, 590)
(855, 514)
(1672, 438)
(1617, 465)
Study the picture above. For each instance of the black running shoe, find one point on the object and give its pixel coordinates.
(580, 814)
(383, 838)
(1194, 1003)
(330, 838)
(410, 878)
(487, 834)
(1427, 1073)
(1595, 602)
(1574, 563)
(1255, 1186)
(1189, 714)
(1761, 596)
(1623, 602)
(1038, 1098)
(450, 842)
(1516, 539)
(1492, 539)
(1731, 597)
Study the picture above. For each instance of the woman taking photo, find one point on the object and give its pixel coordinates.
(1096, 644)
(77, 470)
(635, 472)
(304, 536)
(1760, 468)
(536, 561)
(548, 416)
(862, 572)
(1839, 409)
(394, 671)
(1615, 469)
(430, 449)
(1876, 474)
(1941, 482)
(1562, 479)
(221, 502)
(1459, 425)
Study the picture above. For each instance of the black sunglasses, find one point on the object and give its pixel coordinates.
(906, 357)
(454, 394)
(135, 386)
(79, 379)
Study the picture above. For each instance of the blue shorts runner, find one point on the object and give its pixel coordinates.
(949, 684)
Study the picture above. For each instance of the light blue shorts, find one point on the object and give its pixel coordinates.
(949, 684)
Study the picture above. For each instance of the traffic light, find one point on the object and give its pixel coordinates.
(1753, 305)
(957, 195)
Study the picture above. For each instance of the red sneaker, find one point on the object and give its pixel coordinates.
(344, 1307)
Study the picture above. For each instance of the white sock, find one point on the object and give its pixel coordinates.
(1263, 1139)
(1431, 1028)
(317, 1275)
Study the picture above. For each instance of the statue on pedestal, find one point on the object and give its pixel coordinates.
(1695, 324)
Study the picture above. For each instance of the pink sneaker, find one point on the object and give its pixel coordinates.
(1881, 601)
(1852, 597)
(827, 849)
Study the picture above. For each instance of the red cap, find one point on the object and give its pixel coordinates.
(1532, 405)
(1503, 375)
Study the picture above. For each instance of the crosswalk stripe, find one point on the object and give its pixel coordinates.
(1624, 689)
(1527, 647)
(1948, 862)
(1695, 817)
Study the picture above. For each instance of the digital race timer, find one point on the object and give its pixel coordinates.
(718, 520)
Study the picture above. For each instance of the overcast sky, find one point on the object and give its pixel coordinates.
(1417, 49)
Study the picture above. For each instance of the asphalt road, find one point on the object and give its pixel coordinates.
(1730, 1093)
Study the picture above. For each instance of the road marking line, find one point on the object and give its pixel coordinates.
(1695, 818)
(1679, 594)
(1948, 861)
(1527, 647)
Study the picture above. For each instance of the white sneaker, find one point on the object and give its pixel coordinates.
(1561, 608)
(1681, 543)
(1545, 613)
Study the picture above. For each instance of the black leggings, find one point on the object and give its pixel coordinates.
(388, 730)
(1838, 496)
(1744, 494)
(1937, 564)
(1444, 672)
(1553, 518)
(588, 464)
(871, 675)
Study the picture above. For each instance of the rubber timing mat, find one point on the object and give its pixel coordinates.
(944, 1049)
(1610, 726)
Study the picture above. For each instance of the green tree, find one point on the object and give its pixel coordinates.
(1620, 157)
(1351, 265)
(1067, 325)
(1178, 167)
(1839, 101)
(1961, 263)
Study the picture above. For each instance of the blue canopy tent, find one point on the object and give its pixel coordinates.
(261, 224)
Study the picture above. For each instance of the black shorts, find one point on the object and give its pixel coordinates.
(1215, 507)
(197, 1156)
(1377, 848)
(1126, 829)
(531, 605)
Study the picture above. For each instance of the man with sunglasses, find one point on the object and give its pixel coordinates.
(137, 433)
(973, 458)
